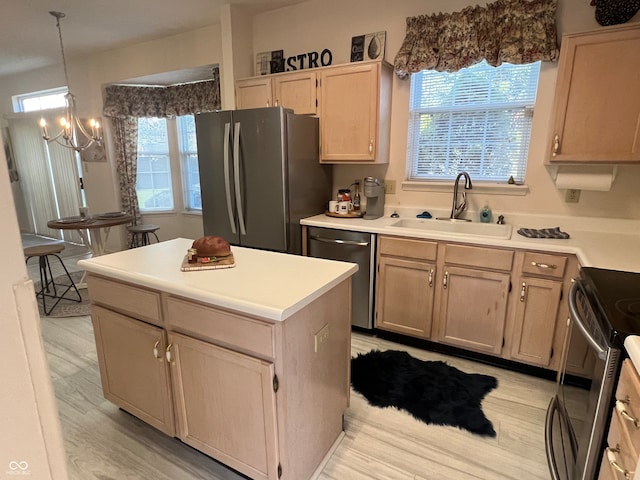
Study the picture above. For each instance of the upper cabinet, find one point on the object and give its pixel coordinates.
(596, 116)
(353, 102)
(296, 91)
(355, 112)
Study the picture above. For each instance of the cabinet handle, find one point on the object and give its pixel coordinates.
(431, 277)
(444, 280)
(556, 145)
(544, 265)
(611, 457)
(167, 352)
(621, 406)
(523, 291)
(370, 146)
(156, 353)
(268, 103)
(275, 104)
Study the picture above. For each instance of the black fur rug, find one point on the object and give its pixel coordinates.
(433, 392)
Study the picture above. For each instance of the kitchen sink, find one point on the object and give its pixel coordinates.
(455, 227)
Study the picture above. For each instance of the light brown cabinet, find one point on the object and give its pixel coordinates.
(231, 385)
(133, 370)
(502, 302)
(296, 91)
(539, 312)
(353, 102)
(355, 113)
(406, 285)
(596, 115)
(472, 300)
(620, 457)
(225, 405)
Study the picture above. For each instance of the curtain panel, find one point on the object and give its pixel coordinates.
(511, 31)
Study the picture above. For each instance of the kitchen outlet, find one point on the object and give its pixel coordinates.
(571, 195)
(321, 337)
(389, 187)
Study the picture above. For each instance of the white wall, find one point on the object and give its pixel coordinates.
(319, 24)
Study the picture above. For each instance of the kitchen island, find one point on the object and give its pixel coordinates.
(249, 364)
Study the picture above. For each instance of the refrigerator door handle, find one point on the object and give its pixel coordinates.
(227, 177)
(236, 176)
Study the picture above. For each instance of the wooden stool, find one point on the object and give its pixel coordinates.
(49, 288)
(140, 234)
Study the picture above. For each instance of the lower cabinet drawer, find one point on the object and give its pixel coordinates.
(478, 256)
(408, 248)
(128, 299)
(221, 327)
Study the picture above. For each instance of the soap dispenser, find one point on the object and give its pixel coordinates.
(485, 215)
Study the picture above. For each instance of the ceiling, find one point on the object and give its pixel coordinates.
(29, 37)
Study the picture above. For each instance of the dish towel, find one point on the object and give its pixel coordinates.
(542, 233)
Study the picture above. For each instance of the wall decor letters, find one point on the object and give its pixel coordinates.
(309, 60)
(274, 62)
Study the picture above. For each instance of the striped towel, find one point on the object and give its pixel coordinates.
(542, 233)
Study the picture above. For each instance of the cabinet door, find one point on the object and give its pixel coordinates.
(348, 113)
(296, 91)
(535, 320)
(254, 93)
(225, 405)
(133, 370)
(597, 102)
(473, 307)
(405, 296)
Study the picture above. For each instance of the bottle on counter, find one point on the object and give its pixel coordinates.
(356, 200)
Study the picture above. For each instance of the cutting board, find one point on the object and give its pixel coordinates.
(225, 262)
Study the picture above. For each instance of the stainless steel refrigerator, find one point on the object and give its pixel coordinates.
(259, 175)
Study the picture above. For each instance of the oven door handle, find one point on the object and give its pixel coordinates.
(548, 438)
(575, 317)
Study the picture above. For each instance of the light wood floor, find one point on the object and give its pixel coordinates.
(104, 443)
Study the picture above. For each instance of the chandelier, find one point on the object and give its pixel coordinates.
(71, 125)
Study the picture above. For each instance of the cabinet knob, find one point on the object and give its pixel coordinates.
(621, 407)
(613, 461)
(156, 353)
(523, 291)
(556, 145)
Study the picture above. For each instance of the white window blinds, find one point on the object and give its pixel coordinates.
(476, 120)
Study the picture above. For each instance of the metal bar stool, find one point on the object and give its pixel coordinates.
(140, 234)
(49, 287)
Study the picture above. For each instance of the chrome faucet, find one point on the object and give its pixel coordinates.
(456, 210)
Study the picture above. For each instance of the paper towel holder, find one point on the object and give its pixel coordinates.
(611, 170)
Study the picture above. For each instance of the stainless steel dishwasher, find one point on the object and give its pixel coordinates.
(354, 247)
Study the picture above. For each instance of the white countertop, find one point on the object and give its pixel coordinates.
(266, 284)
(597, 242)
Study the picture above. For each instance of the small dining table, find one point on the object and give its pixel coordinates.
(92, 228)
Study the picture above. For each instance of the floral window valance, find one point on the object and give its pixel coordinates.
(511, 31)
(124, 101)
